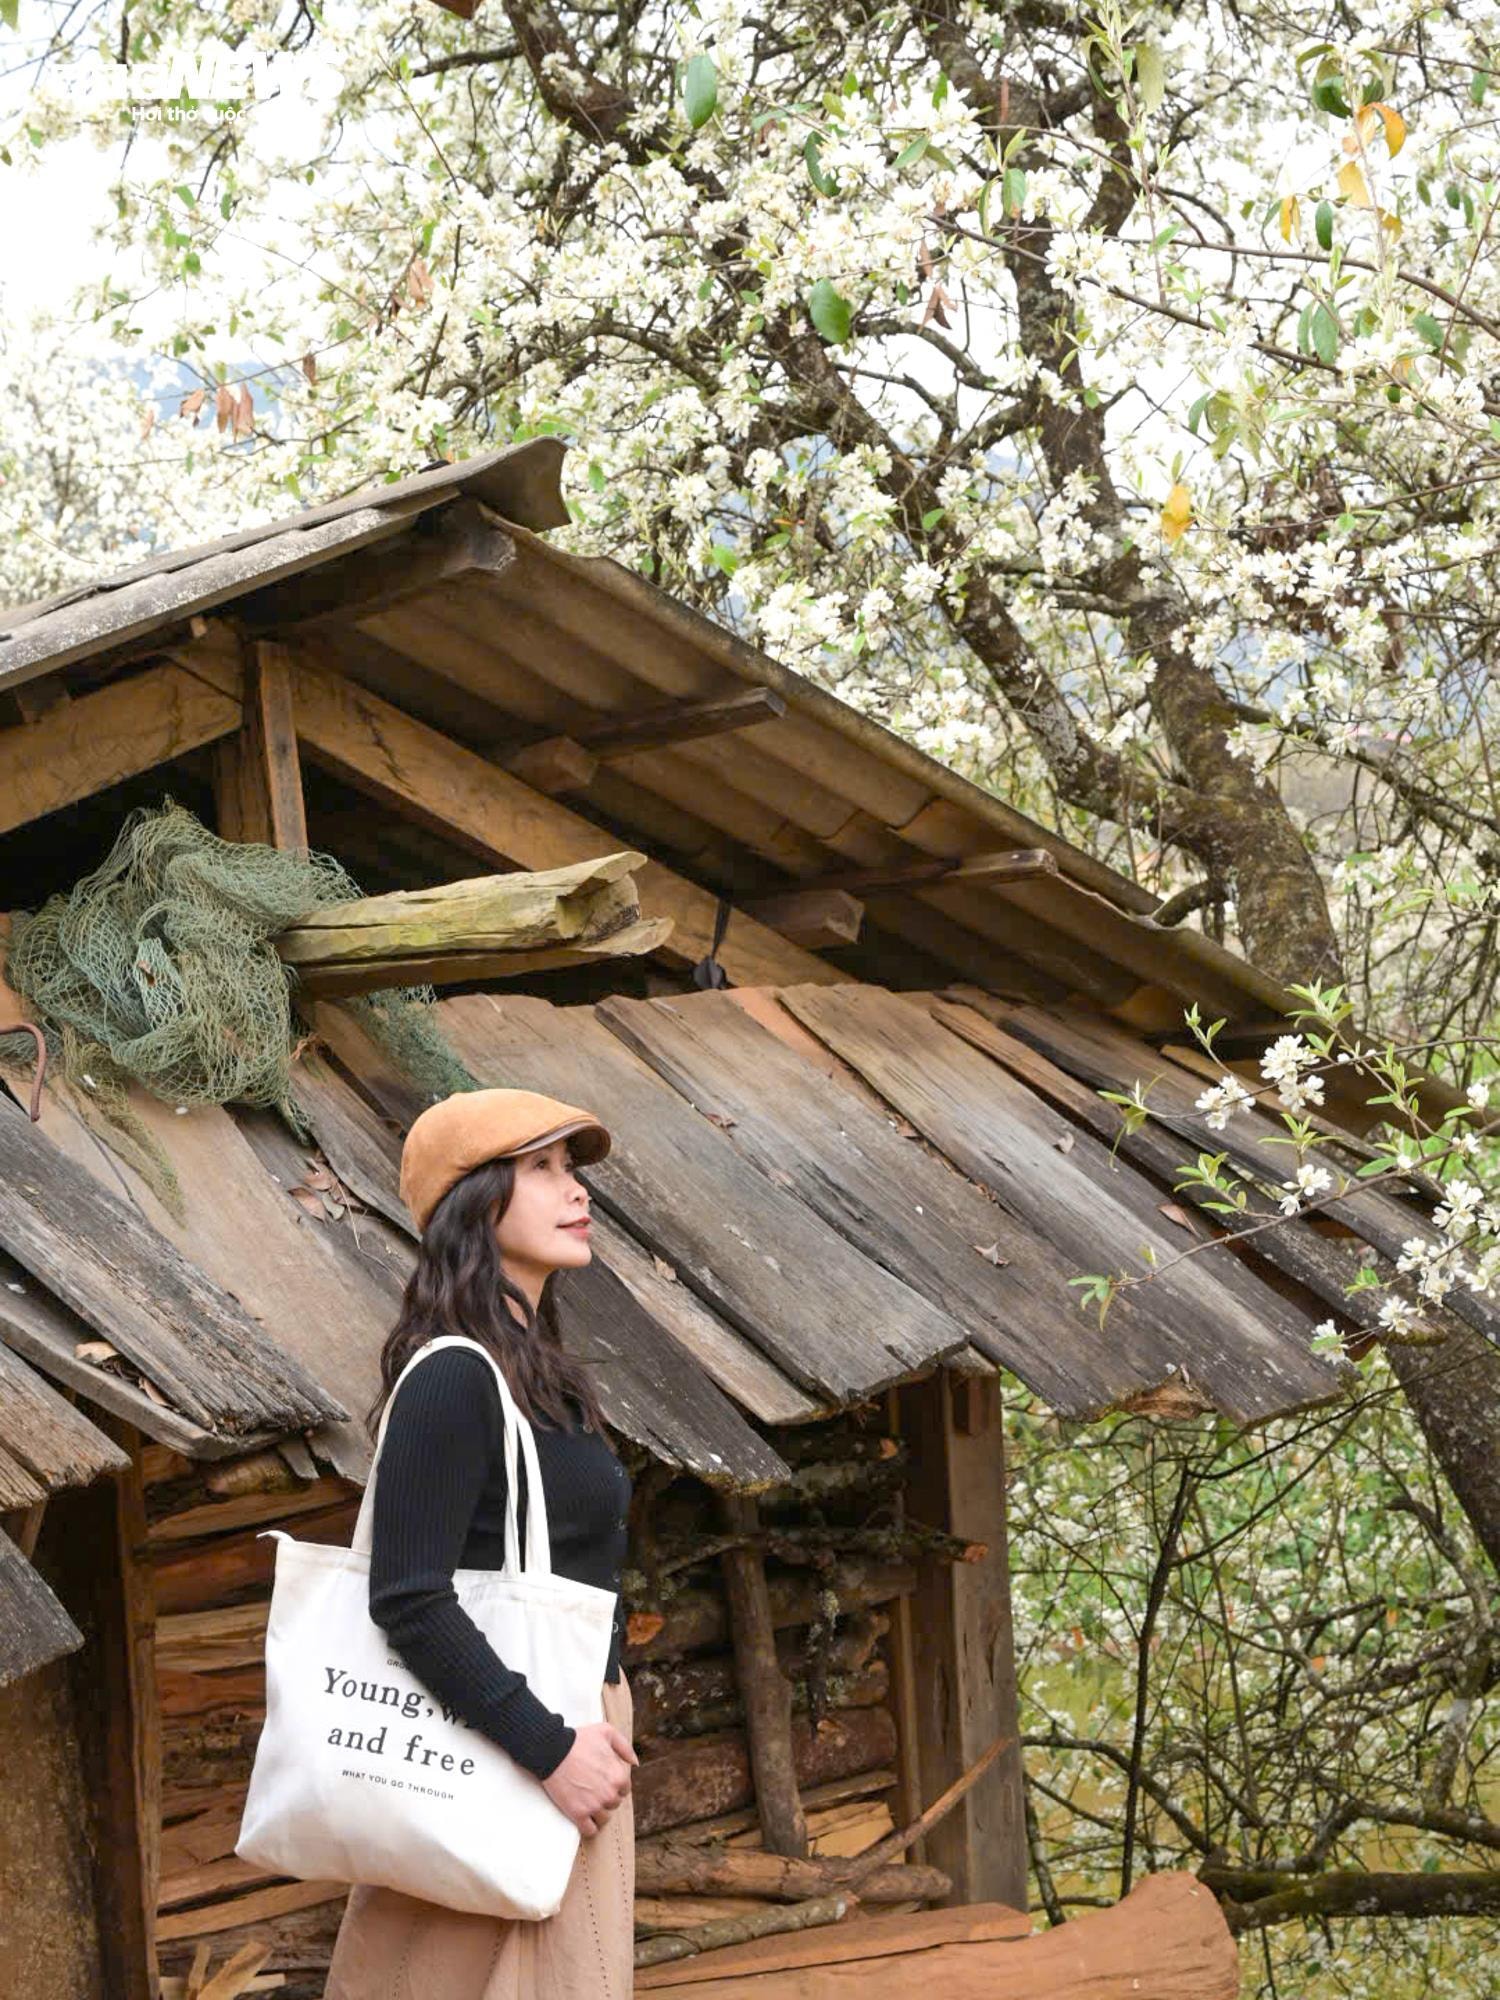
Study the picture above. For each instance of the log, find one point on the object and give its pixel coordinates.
(666, 1869)
(401, 938)
(695, 1621)
(672, 1696)
(858, 1785)
(734, 1930)
(711, 1775)
(680, 1715)
(260, 1904)
(1166, 1941)
(764, 1688)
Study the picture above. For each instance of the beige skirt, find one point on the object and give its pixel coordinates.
(395, 1947)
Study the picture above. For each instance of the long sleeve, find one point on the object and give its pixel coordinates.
(443, 1445)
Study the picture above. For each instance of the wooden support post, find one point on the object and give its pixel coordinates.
(964, 1686)
(765, 1689)
(258, 774)
(97, 1559)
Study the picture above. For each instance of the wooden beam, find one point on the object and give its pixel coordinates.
(257, 771)
(441, 784)
(452, 541)
(814, 918)
(555, 765)
(130, 726)
(98, 1555)
(965, 1691)
(465, 968)
(679, 722)
(1017, 864)
(764, 1687)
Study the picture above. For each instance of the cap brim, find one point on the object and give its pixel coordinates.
(595, 1148)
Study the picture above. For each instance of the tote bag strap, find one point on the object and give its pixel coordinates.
(538, 1537)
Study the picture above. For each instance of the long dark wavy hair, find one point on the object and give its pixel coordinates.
(459, 1285)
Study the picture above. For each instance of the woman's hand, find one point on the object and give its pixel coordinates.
(594, 1776)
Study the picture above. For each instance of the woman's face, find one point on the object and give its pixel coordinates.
(545, 1226)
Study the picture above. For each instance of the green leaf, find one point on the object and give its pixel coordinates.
(909, 156)
(830, 312)
(1328, 88)
(700, 90)
(1150, 75)
(1013, 189)
(1324, 331)
(1430, 329)
(931, 518)
(1479, 83)
(10, 12)
(813, 154)
(1323, 224)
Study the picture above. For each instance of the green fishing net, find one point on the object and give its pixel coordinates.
(160, 968)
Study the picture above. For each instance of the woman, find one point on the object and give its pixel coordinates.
(489, 1178)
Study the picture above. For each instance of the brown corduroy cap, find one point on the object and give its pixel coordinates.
(472, 1126)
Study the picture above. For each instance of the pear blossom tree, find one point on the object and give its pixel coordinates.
(1107, 398)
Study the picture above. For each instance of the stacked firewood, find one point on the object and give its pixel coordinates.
(814, 1569)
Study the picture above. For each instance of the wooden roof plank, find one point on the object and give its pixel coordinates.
(128, 610)
(1221, 1332)
(44, 1332)
(906, 1209)
(47, 1434)
(34, 1627)
(1252, 1139)
(835, 1322)
(98, 1254)
(650, 1388)
(521, 481)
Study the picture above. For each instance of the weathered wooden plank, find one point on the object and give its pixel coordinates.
(97, 1253)
(637, 940)
(872, 1937)
(443, 785)
(258, 775)
(128, 609)
(1373, 1214)
(34, 1627)
(836, 1322)
(1221, 1332)
(48, 1434)
(44, 1332)
(650, 1388)
(879, 1187)
(447, 543)
(123, 729)
(1168, 1140)
(740, 1369)
(50, 1925)
(813, 918)
(965, 1693)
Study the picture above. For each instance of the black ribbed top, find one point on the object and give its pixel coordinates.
(440, 1506)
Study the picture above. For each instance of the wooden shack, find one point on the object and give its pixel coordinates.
(848, 1027)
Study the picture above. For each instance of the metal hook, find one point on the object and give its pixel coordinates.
(31, 1028)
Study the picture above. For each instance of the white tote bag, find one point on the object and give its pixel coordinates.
(360, 1774)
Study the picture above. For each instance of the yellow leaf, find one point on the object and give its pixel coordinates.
(1390, 118)
(1177, 515)
(1289, 216)
(1389, 221)
(1352, 184)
